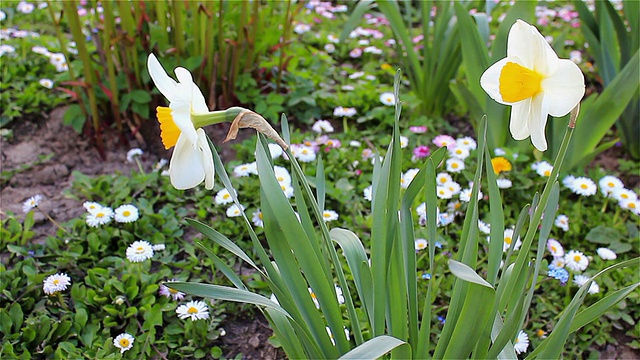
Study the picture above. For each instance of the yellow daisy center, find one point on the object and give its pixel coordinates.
(192, 310)
(443, 180)
(624, 196)
(126, 213)
(99, 215)
(518, 83)
(454, 165)
(169, 132)
(577, 258)
(56, 282)
(326, 215)
(260, 216)
(584, 186)
(553, 248)
(173, 291)
(124, 342)
(547, 172)
(540, 333)
(610, 184)
(139, 250)
(507, 240)
(632, 205)
(226, 196)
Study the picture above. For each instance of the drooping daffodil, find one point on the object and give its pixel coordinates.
(535, 82)
(191, 162)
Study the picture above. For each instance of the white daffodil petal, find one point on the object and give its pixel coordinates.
(490, 80)
(181, 114)
(161, 79)
(519, 121)
(564, 89)
(186, 167)
(522, 43)
(207, 159)
(198, 104)
(538, 121)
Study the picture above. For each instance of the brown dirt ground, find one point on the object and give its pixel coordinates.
(73, 152)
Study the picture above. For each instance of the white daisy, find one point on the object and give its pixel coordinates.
(367, 193)
(504, 183)
(606, 254)
(131, 154)
(466, 142)
(420, 244)
(609, 184)
(576, 261)
(126, 213)
(407, 177)
(92, 206)
(304, 153)
(584, 186)
(522, 342)
(542, 168)
(555, 248)
(123, 342)
(568, 181)
(465, 195)
(580, 280)
(47, 83)
(322, 126)
(223, 197)
(275, 150)
(314, 297)
(508, 239)
(484, 227)
(404, 142)
(99, 216)
(562, 221)
(31, 203)
(287, 190)
(455, 165)
(158, 247)
(234, 210)
(624, 194)
(388, 98)
(632, 205)
(558, 262)
(195, 310)
(282, 175)
(55, 283)
(329, 215)
(443, 192)
(256, 218)
(169, 292)
(443, 178)
(459, 152)
(245, 170)
(139, 251)
(339, 294)
(454, 187)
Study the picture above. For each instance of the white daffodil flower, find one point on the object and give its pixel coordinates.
(535, 82)
(192, 161)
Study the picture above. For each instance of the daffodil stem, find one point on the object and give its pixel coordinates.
(216, 117)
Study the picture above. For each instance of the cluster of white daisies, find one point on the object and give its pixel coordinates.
(98, 214)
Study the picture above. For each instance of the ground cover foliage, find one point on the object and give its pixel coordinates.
(339, 96)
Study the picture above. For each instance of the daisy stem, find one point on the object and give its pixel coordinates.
(52, 221)
(345, 126)
(567, 292)
(604, 207)
(139, 165)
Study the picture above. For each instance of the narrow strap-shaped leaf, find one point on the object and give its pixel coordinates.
(374, 348)
(225, 293)
(480, 295)
(223, 267)
(221, 240)
(596, 310)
